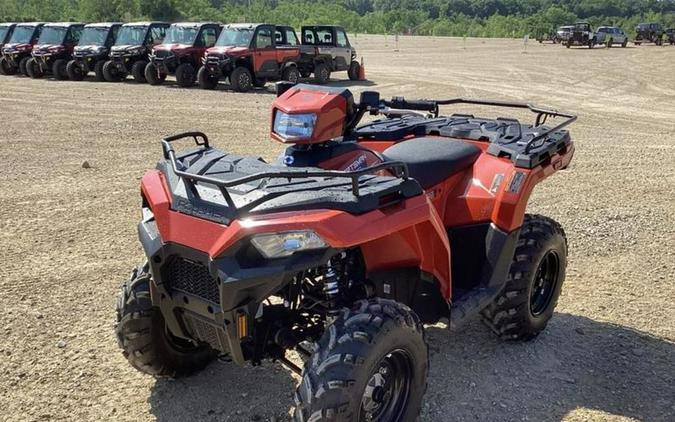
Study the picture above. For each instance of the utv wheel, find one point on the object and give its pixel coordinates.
(99, 76)
(291, 74)
(152, 76)
(23, 66)
(74, 71)
(259, 82)
(33, 69)
(144, 339)
(206, 80)
(59, 69)
(5, 68)
(111, 73)
(624, 43)
(241, 79)
(534, 281)
(370, 365)
(185, 75)
(321, 73)
(354, 70)
(138, 71)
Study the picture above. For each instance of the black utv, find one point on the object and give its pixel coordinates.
(582, 35)
(92, 51)
(670, 36)
(54, 49)
(649, 33)
(130, 53)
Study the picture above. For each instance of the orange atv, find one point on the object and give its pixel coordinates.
(346, 249)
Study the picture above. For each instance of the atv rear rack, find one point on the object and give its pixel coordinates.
(543, 114)
(399, 169)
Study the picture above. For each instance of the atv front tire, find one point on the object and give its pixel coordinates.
(138, 71)
(33, 69)
(152, 76)
(371, 364)
(206, 80)
(5, 68)
(74, 71)
(534, 282)
(185, 75)
(111, 73)
(144, 338)
(241, 79)
(59, 70)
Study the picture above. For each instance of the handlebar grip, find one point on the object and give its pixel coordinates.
(419, 105)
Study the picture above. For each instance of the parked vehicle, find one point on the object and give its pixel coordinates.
(17, 51)
(649, 33)
(355, 256)
(670, 36)
(548, 36)
(92, 51)
(6, 31)
(582, 35)
(563, 33)
(181, 52)
(251, 55)
(613, 35)
(54, 49)
(326, 49)
(130, 54)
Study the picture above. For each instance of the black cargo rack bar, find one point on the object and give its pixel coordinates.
(542, 113)
(399, 168)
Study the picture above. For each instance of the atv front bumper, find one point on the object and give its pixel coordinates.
(216, 301)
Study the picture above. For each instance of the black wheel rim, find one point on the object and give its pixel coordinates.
(386, 394)
(545, 282)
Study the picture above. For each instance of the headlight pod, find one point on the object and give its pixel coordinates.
(293, 127)
(279, 245)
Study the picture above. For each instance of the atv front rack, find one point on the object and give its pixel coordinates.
(399, 170)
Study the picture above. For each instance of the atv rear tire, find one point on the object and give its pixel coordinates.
(373, 360)
(144, 339)
(206, 80)
(33, 69)
(98, 71)
(321, 73)
(185, 75)
(241, 79)
(23, 66)
(138, 71)
(534, 282)
(291, 74)
(111, 73)
(74, 71)
(152, 76)
(59, 70)
(354, 70)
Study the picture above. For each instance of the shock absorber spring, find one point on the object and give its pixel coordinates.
(331, 289)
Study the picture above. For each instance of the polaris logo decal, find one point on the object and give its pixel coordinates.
(516, 182)
(357, 164)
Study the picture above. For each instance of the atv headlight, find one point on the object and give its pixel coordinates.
(279, 245)
(293, 127)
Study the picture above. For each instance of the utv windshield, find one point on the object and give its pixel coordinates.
(22, 34)
(132, 35)
(94, 36)
(3, 32)
(53, 35)
(181, 35)
(236, 37)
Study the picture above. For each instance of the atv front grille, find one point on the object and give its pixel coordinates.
(202, 331)
(192, 278)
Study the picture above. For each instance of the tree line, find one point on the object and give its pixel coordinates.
(472, 18)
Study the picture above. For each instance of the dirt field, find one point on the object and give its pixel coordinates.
(68, 238)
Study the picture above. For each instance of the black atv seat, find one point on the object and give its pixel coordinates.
(432, 160)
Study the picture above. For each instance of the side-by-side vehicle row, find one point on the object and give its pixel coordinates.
(248, 55)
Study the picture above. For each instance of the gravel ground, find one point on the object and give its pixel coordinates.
(67, 239)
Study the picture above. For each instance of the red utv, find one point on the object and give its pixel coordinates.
(54, 49)
(17, 51)
(250, 55)
(6, 31)
(92, 51)
(345, 249)
(326, 49)
(181, 52)
(130, 54)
